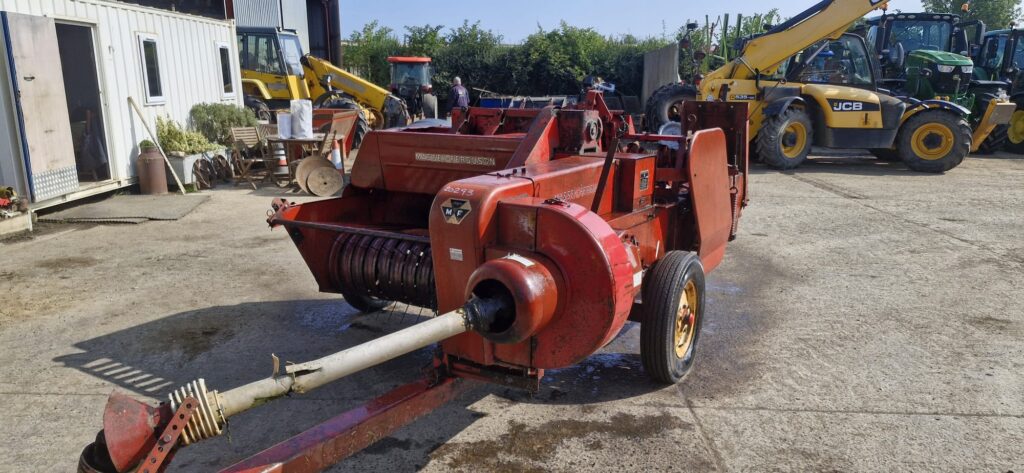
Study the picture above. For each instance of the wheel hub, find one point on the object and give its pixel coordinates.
(789, 139)
(932, 141)
(686, 320)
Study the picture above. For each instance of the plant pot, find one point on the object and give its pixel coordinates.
(152, 174)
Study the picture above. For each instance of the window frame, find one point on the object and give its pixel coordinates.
(161, 99)
(232, 71)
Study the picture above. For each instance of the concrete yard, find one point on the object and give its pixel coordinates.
(866, 319)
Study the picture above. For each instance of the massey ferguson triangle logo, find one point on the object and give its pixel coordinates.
(455, 210)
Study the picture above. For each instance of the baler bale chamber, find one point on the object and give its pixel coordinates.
(536, 234)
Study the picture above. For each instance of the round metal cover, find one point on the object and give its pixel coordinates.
(306, 167)
(325, 182)
(671, 128)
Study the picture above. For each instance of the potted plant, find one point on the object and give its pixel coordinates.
(150, 166)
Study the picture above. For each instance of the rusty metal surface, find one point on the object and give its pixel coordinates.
(129, 429)
(348, 433)
(163, 449)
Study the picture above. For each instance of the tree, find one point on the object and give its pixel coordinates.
(368, 50)
(997, 14)
(424, 40)
(471, 54)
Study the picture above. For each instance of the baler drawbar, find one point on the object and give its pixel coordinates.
(536, 234)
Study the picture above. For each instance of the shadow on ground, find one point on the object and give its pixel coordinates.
(231, 345)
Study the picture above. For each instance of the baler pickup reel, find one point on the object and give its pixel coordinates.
(534, 233)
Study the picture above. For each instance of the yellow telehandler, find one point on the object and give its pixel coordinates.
(275, 71)
(808, 82)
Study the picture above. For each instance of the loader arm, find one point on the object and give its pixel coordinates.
(364, 91)
(763, 55)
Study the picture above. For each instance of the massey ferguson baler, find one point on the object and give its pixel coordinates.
(535, 234)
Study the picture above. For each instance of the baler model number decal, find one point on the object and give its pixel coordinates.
(455, 210)
(741, 97)
(577, 193)
(455, 159)
(462, 191)
(852, 106)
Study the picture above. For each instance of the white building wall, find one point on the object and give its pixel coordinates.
(189, 63)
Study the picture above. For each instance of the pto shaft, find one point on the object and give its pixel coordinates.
(305, 377)
(215, 407)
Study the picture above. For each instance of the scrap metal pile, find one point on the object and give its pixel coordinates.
(536, 234)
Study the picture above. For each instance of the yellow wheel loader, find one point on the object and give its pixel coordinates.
(275, 71)
(809, 83)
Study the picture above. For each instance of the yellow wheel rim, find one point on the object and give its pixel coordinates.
(1015, 133)
(794, 140)
(686, 320)
(932, 141)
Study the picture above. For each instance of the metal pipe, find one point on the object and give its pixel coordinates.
(304, 377)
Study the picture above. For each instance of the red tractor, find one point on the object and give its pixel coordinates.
(410, 80)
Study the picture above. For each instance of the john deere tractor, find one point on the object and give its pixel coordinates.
(1000, 57)
(924, 57)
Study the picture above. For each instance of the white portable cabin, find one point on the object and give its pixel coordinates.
(67, 69)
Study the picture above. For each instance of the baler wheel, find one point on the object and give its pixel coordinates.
(363, 303)
(673, 311)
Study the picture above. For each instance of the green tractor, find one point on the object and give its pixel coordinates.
(1000, 57)
(924, 57)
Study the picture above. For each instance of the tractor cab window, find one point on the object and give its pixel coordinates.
(1018, 54)
(992, 54)
(921, 35)
(292, 50)
(872, 37)
(262, 55)
(842, 62)
(407, 73)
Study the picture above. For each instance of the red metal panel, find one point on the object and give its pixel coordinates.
(709, 187)
(600, 280)
(341, 437)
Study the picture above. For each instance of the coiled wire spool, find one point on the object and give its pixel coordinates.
(206, 420)
(390, 269)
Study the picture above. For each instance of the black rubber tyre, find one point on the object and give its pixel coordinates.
(1017, 123)
(662, 107)
(664, 290)
(363, 303)
(995, 140)
(258, 107)
(949, 136)
(337, 101)
(785, 140)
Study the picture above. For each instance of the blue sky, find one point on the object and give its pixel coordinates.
(516, 19)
